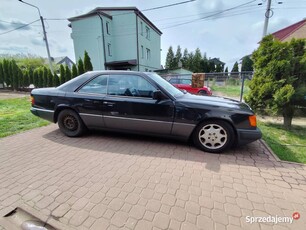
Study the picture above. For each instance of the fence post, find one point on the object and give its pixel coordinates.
(242, 87)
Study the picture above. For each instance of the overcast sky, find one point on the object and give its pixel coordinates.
(229, 35)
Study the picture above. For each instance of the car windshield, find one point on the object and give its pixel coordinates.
(175, 92)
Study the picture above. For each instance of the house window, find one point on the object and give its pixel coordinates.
(109, 49)
(147, 32)
(148, 54)
(142, 52)
(107, 28)
(141, 28)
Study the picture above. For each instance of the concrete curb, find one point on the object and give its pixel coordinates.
(276, 157)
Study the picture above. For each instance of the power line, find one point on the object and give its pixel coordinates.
(20, 27)
(165, 6)
(212, 15)
(149, 9)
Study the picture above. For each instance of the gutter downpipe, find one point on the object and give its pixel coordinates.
(103, 39)
(137, 41)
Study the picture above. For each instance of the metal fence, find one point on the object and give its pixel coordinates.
(219, 79)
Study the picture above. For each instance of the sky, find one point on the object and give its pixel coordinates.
(211, 25)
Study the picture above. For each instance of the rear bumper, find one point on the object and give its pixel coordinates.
(43, 113)
(246, 136)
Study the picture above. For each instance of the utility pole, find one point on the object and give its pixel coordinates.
(267, 17)
(45, 34)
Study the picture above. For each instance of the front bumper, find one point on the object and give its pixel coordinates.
(246, 136)
(43, 113)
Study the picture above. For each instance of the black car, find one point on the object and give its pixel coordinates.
(145, 103)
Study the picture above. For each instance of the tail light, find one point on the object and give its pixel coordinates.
(252, 120)
(32, 100)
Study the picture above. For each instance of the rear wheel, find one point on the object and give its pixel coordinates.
(70, 123)
(202, 92)
(214, 136)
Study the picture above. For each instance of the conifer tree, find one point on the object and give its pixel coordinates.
(74, 72)
(62, 74)
(67, 73)
(80, 67)
(87, 62)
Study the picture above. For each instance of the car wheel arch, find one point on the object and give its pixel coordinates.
(61, 108)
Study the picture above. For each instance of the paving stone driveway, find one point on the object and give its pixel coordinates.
(108, 181)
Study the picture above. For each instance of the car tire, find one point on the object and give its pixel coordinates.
(70, 123)
(202, 92)
(214, 136)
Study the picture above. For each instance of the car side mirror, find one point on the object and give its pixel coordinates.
(158, 95)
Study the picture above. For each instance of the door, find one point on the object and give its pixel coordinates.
(129, 106)
(90, 101)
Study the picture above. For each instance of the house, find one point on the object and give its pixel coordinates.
(61, 60)
(119, 38)
(297, 30)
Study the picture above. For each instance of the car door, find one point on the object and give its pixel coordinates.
(188, 86)
(88, 101)
(129, 105)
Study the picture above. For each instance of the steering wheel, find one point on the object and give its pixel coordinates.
(134, 92)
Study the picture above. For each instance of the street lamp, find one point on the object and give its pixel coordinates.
(45, 34)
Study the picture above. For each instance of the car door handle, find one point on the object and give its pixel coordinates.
(108, 103)
(94, 102)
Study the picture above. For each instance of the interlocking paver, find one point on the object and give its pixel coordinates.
(110, 181)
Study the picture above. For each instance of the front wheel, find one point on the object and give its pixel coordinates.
(70, 123)
(214, 136)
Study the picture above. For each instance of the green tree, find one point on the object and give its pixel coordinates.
(67, 73)
(196, 63)
(14, 73)
(41, 77)
(6, 72)
(56, 80)
(35, 78)
(170, 62)
(190, 62)
(247, 64)
(74, 72)
(185, 59)
(279, 82)
(87, 62)
(62, 74)
(45, 77)
(204, 64)
(226, 70)
(31, 81)
(178, 56)
(80, 66)
(1, 74)
(50, 79)
(235, 68)
(26, 78)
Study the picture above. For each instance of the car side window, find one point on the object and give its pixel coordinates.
(186, 81)
(130, 85)
(98, 85)
(174, 81)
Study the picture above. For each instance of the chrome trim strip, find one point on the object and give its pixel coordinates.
(136, 119)
(187, 124)
(43, 110)
(92, 115)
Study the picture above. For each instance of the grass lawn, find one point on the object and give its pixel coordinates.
(15, 116)
(229, 90)
(287, 145)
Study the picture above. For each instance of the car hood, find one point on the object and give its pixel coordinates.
(213, 101)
